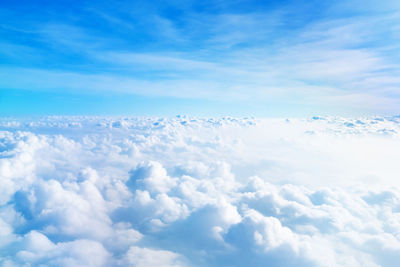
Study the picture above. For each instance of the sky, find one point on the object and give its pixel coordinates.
(203, 58)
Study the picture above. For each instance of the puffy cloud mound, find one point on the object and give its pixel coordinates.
(96, 191)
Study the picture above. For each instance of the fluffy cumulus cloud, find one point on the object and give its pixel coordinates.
(94, 191)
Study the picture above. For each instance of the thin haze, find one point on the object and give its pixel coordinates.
(261, 58)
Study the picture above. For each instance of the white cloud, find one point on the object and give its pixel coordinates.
(210, 192)
(36, 248)
(142, 257)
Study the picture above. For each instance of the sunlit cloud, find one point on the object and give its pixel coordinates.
(98, 191)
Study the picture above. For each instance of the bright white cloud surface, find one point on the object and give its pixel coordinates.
(86, 191)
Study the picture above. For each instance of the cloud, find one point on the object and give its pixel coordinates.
(142, 257)
(212, 192)
(36, 248)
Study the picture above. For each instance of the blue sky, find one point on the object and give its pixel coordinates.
(203, 58)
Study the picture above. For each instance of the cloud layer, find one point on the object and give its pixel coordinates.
(86, 191)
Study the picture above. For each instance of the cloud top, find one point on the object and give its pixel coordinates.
(211, 192)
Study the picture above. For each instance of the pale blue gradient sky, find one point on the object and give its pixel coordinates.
(203, 58)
